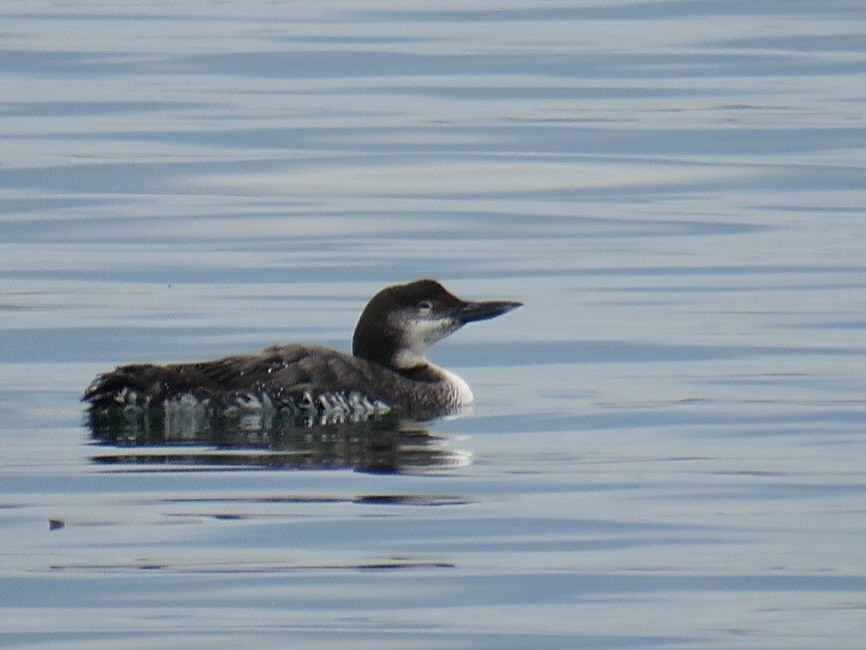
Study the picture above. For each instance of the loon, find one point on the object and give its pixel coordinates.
(387, 370)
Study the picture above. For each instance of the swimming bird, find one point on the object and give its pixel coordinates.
(388, 368)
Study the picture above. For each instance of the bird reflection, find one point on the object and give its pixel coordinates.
(172, 440)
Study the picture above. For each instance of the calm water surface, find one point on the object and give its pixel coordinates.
(669, 446)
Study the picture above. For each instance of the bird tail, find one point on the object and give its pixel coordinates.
(138, 385)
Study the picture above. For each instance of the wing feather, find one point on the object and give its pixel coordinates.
(284, 374)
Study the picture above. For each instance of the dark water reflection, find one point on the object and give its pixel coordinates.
(267, 440)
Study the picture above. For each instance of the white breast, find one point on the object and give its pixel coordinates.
(461, 388)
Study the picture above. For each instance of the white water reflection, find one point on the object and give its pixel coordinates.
(469, 178)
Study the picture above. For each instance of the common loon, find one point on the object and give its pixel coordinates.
(387, 370)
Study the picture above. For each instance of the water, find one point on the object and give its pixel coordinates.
(668, 448)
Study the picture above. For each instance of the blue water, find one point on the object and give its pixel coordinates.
(669, 444)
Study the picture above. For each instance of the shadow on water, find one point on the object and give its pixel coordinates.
(163, 440)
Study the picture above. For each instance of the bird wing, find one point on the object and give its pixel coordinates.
(287, 375)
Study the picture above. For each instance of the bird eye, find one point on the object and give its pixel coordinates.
(424, 307)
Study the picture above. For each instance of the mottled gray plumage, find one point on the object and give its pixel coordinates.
(387, 369)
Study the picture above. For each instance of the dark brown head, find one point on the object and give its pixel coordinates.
(401, 322)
